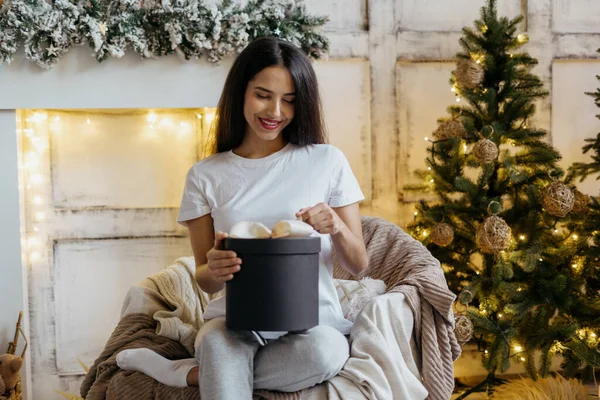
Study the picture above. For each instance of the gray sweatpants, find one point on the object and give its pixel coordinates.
(233, 363)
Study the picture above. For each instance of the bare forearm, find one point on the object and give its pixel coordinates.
(350, 250)
(206, 282)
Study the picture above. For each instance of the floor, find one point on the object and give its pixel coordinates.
(593, 391)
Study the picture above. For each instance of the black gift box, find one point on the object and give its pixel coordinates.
(277, 288)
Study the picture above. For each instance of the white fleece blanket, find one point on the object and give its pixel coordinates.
(381, 363)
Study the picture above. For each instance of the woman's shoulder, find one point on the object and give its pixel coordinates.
(325, 152)
(211, 163)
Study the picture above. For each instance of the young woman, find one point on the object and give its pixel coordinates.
(270, 164)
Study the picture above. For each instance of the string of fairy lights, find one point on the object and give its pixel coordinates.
(36, 128)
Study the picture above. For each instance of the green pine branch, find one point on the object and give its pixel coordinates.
(152, 28)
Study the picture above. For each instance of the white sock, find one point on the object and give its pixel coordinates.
(170, 372)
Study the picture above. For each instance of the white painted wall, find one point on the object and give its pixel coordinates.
(13, 283)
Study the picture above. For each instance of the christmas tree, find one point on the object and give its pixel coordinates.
(504, 226)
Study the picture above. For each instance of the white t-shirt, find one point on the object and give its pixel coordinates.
(270, 189)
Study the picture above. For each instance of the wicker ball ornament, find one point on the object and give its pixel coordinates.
(493, 235)
(463, 328)
(442, 234)
(485, 151)
(468, 74)
(450, 129)
(580, 205)
(557, 199)
(465, 297)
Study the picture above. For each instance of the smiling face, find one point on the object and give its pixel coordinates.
(269, 103)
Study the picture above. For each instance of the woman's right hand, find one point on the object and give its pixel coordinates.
(222, 264)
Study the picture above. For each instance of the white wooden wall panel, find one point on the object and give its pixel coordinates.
(423, 97)
(444, 15)
(347, 113)
(121, 161)
(411, 45)
(573, 113)
(92, 279)
(578, 46)
(344, 15)
(107, 223)
(576, 16)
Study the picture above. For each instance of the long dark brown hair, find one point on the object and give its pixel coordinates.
(306, 127)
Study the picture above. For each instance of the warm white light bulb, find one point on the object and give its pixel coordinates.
(32, 160)
(32, 241)
(38, 117)
(523, 38)
(36, 179)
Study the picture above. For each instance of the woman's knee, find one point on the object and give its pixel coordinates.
(331, 350)
(214, 337)
(212, 332)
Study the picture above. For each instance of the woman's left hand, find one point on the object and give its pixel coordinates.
(322, 218)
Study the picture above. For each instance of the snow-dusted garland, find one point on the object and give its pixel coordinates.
(152, 28)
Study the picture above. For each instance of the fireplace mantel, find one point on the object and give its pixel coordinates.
(79, 81)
